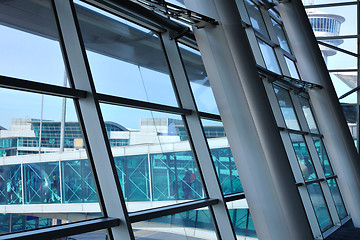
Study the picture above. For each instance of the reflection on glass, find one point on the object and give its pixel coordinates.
(269, 57)
(256, 18)
(292, 68)
(199, 80)
(287, 108)
(320, 207)
(320, 148)
(30, 46)
(305, 104)
(158, 164)
(126, 60)
(304, 159)
(195, 224)
(340, 207)
(280, 35)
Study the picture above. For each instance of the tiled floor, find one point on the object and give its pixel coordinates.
(346, 232)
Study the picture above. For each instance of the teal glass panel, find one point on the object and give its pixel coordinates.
(269, 57)
(165, 176)
(189, 186)
(281, 35)
(120, 169)
(32, 222)
(33, 183)
(287, 108)
(71, 181)
(126, 59)
(51, 183)
(222, 157)
(14, 184)
(194, 225)
(303, 156)
(320, 207)
(305, 104)
(88, 185)
(4, 223)
(324, 160)
(137, 178)
(226, 170)
(339, 203)
(199, 81)
(3, 185)
(256, 18)
(242, 222)
(18, 222)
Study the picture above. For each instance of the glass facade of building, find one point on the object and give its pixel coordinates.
(146, 143)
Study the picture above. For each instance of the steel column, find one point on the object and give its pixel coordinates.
(211, 183)
(332, 123)
(258, 151)
(93, 128)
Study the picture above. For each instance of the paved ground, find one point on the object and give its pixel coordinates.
(140, 235)
(346, 232)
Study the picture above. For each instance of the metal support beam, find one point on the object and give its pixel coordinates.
(201, 149)
(64, 230)
(255, 141)
(98, 149)
(331, 120)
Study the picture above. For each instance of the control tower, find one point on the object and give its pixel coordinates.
(325, 25)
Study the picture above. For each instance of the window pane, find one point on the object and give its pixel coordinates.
(269, 57)
(304, 159)
(241, 219)
(281, 35)
(305, 104)
(320, 207)
(29, 42)
(199, 80)
(222, 157)
(158, 164)
(194, 225)
(287, 108)
(292, 68)
(340, 207)
(256, 19)
(320, 148)
(126, 60)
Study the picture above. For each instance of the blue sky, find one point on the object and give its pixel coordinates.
(35, 58)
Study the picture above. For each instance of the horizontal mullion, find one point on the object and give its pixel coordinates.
(338, 49)
(42, 88)
(314, 181)
(170, 210)
(342, 70)
(331, 5)
(331, 177)
(64, 230)
(126, 102)
(210, 116)
(336, 37)
(234, 197)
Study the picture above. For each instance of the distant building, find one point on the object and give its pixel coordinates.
(23, 136)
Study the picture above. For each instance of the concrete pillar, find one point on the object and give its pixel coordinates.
(331, 120)
(258, 151)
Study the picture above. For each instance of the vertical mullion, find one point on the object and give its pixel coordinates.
(211, 183)
(93, 128)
